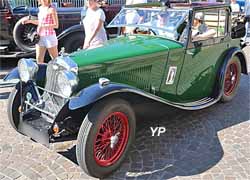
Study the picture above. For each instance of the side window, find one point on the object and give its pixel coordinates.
(205, 25)
(209, 24)
(222, 25)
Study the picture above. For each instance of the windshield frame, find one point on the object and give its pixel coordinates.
(158, 10)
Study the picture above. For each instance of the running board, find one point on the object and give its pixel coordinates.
(200, 104)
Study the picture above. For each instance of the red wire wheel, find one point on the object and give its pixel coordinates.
(111, 139)
(231, 78)
(105, 136)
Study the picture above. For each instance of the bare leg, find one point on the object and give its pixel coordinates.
(40, 53)
(53, 52)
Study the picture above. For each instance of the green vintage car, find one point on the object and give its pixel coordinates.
(160, 55)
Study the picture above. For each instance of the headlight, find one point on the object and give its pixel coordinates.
(67, 82)
(27, 69)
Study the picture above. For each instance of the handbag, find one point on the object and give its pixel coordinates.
(35, 37)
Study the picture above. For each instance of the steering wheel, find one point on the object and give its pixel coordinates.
(138, 30)
(151, 31)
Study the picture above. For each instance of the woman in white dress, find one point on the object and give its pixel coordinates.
(95, 34)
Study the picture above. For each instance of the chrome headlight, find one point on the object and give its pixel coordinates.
(67, 82)
(27, 69)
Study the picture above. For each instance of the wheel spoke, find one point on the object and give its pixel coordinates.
(111, 139)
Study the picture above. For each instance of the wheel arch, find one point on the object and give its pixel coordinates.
(243, 62)
(236, 51)
(78, 28)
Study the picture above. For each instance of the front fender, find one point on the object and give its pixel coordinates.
(14, 74)
(96, 92)
(70, 30)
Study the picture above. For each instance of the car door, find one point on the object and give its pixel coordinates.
(203, 55)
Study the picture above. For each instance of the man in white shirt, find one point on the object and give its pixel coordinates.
(235, 6)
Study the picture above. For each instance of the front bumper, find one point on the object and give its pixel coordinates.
(37, 123)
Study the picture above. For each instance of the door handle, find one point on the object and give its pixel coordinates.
(190, 52)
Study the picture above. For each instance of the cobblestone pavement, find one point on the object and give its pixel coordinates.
(213, 143)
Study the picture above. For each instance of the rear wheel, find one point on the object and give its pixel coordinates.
(231, 79)
(105, 137)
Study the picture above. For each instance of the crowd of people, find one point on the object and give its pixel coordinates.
(95, 34)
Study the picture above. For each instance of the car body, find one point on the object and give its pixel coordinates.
(89, 94)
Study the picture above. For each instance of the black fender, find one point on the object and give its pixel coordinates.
(70, 30)
(234, 51)
(95, 92)
(14, 74)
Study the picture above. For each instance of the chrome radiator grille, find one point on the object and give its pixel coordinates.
(52, 103)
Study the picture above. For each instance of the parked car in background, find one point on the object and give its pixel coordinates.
(240, 28)
(89, 95)
(16, 39)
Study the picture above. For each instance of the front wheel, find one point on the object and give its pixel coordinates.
(14, 103)
(105, 137)
(231, 79)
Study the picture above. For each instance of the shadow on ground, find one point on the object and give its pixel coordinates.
(189, 146)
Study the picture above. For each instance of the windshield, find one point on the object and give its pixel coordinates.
(162, 22)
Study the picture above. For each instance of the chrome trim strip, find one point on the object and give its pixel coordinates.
(188, 106)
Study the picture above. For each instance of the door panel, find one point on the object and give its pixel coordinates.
(199, 72)
(204, 55)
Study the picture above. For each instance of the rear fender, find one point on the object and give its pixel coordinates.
(70, 30)
(235, 51)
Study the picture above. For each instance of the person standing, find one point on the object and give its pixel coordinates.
(235, 6)
(132, 16)
(247, 19)
(95, 34)
(46, 24)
